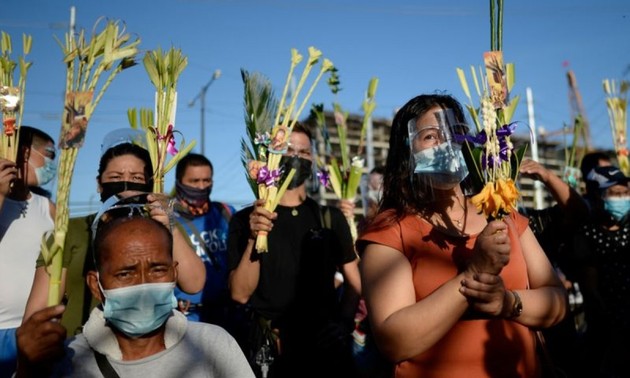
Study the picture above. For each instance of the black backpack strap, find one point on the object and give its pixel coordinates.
(104, 366)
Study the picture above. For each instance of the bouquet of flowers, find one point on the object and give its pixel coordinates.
(164, 70)
(617, 104)
(345, 177)
(12, 95)
(268, 128)
(493, 163)
(109, 51)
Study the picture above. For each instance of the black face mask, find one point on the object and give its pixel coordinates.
(192, 196)
(109, 189)
(302, 169)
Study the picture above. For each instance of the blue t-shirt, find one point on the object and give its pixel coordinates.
(212, 229)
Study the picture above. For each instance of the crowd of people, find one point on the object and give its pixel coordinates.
(159, 285)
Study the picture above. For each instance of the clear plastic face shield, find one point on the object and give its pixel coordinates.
(437, 157)
(123, 135)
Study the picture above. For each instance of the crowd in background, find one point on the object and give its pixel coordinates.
(431, 287)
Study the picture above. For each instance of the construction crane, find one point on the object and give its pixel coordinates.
(577, 109)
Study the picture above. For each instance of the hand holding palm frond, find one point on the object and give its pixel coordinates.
(269, 141)
(109, 51)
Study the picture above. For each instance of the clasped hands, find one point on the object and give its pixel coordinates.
(482, 285)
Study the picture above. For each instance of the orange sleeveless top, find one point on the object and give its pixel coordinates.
(472, 348)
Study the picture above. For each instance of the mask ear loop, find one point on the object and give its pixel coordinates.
(100, 286)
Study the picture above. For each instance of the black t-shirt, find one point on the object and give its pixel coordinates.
(608, 252)
(297, 273)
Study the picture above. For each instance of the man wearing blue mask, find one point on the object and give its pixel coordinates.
(135, 332)
(601, 250)
(205, 222)
(24, 218)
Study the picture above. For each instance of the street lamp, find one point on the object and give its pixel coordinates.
(202, 97)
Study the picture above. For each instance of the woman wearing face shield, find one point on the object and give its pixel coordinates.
(449, 293)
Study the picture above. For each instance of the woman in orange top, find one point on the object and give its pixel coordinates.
(449, 293)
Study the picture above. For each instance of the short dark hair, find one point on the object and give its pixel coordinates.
(300, 128)
(108, 228)
(127, 149)
(191, 160)
(30, 136)
(379, 170)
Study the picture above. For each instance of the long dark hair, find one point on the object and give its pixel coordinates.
(127, 149)
(403, 193)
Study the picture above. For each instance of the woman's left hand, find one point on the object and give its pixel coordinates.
(160, 206)
(486, 294)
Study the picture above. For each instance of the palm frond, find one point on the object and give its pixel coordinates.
(247, 156)
(260, 105)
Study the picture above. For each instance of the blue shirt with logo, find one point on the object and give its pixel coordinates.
(211, 230)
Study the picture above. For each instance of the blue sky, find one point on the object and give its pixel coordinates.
(413, 47)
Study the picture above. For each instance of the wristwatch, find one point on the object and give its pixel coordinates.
(517, 308)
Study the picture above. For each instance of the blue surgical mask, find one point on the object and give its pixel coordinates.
(618, 207)
(46, 172)
(443, 166)
(139, 309)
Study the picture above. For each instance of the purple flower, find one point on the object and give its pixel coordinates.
(268, 177)
(324, 177)
(506, 130)
(480, 138)
(504, 149)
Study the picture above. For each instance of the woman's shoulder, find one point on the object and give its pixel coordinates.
(388, 222)
(521, 221)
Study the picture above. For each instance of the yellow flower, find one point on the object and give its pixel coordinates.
(482, 199)
(496, 199)
(508, 191)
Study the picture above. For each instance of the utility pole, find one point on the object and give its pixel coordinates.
(202, 97)
(369, 144)
(538, 194)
